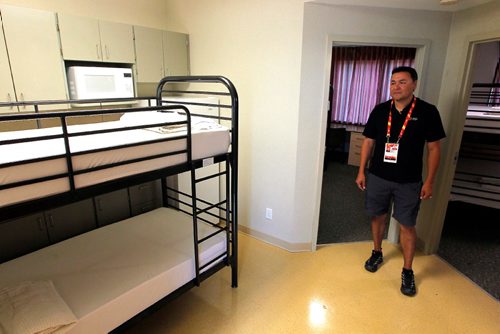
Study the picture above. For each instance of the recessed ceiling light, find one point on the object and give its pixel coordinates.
(448, 2)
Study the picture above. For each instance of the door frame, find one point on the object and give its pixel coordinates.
(421, 61)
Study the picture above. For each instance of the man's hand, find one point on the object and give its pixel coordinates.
(426, 191)
(361, 181)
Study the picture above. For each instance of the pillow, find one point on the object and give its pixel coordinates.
(33, 307)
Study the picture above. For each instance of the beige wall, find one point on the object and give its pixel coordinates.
(256, 44)
(149, 13)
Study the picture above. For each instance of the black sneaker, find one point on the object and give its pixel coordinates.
(408, 283)
(374, 261)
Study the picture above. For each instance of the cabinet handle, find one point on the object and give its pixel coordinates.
(98, 51)
(107, 51)
(40, 223)
(9, 100)
(51, 220)
(99, 206)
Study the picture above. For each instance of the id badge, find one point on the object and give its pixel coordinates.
(391, 152)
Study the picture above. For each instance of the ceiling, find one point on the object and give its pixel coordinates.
(408, 4)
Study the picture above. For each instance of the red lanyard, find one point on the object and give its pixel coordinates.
(403, 128)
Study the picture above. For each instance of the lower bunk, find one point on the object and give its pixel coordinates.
(96, 281)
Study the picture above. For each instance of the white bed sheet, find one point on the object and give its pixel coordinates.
(108, 275)
(208, 139)
(483, 119)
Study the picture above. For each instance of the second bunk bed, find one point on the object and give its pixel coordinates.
(96, 281)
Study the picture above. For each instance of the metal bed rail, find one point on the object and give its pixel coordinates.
(65, 134)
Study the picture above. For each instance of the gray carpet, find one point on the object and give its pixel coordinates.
(471, 243)
(342, 215)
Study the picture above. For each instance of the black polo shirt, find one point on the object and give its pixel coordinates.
(424, 126)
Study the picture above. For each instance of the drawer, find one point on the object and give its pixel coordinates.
(354, 158)
(357, 137)
(355, 144)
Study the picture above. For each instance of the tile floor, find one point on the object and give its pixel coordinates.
(327, 291)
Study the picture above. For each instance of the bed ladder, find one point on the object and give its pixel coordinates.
(220, 228)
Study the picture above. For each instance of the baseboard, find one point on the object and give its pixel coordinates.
(291, 247)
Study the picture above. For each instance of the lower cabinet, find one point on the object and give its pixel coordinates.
(112, 207)
(67, 221)
(23, 235)
(145, 197)
(27, 234)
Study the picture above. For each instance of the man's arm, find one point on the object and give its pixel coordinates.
(433, 156)
(366, 152)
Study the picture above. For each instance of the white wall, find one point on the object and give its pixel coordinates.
(257, 45)
(487, 56)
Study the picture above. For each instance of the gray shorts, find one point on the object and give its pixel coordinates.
(406, 198)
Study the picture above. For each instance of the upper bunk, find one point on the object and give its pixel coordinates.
(483, 112)
(52, 157)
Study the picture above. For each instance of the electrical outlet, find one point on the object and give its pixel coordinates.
(269, 214)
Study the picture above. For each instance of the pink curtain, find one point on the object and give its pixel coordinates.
(360, 79)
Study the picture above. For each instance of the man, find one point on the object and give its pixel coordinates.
(395, 136)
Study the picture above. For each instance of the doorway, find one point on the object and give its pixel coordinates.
(470, 240)
(358, 81)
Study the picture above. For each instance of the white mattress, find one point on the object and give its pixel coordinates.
(208, 139)
(483, 119)
(108, 275)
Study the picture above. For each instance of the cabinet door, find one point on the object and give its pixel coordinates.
(148, 54)
(6, 88)
(175, 53)
(34, 53)
(79, 38)
(22, 236)
(117, 42)
(70, 220)
(145, 197)
(112, 207)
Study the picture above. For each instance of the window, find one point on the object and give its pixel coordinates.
(360, 79)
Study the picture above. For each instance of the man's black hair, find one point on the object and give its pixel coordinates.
(407, 69)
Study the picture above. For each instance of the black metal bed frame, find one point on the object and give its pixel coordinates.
(167, 87)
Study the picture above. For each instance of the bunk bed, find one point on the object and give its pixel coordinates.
(96, 281)
(477, 175)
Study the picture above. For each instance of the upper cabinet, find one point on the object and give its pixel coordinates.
(149, 54)
(35, 61)
(7, 93)
(160, 53)
(89, 39)
(175, 53)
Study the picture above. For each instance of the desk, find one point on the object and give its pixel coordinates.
(355, 141)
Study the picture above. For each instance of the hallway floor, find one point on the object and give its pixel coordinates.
(327, 291)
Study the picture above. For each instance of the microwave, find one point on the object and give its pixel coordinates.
(92, 82)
